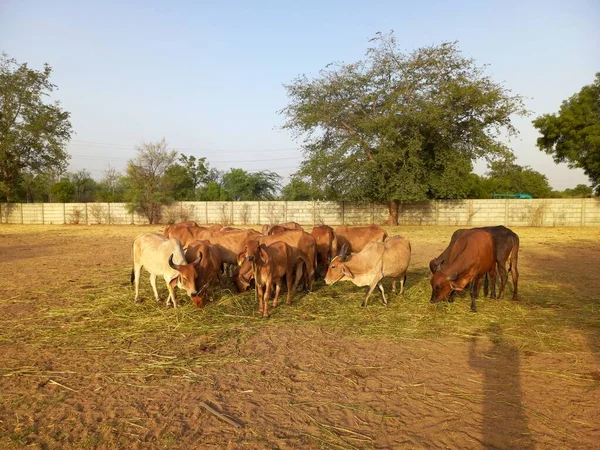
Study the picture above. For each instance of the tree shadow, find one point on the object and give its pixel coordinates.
(505, 424)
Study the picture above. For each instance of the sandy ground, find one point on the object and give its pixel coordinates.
(287, 386)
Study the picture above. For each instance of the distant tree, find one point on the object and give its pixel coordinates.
(33, 132)
(298, 189)
(85, 186)
(145, 175)
(579, 191)
(212, 192)
(508, 177)
(63, 191)
(398, 127)
(241, 185)
(573, 134)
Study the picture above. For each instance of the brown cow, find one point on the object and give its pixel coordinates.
(324, 237)
(506, 243)
(243, 276)
(355, 238)
(271, 263)
(301, 240)
(289, 225)
(188, 234)
(208, 269)
(472, 256)
(378, 260)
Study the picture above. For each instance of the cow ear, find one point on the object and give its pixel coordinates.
(174, 282)
(264, 255)
(240, 257)
(347, 271)
(456, 287)
(452, 277)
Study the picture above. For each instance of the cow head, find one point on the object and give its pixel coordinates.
(186, 276)
(201, 297)
(337, 271)
(243, 276)
(442, 285)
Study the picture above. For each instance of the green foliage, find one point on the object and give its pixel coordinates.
(298, 189)
(33, 133)
(112, 187)
(573, 134)
(241, 185)
(399, 127)
(147, 189)
(85, 186)
(212, 192)
(508, 177)
(63, 191)
(579, 191)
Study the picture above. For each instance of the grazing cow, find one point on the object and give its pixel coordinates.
(376, 261)
(355, 238)
(208, 269)
(243, 276)
(289, 225)
(162, 257)
(324, 237)
(506, 243)
(471, 257)
(301, 240)
(271, 263)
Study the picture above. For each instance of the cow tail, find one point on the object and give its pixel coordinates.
(132, 276)
(514, 255)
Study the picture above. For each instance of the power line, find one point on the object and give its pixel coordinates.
(202, 150)
(110, 158)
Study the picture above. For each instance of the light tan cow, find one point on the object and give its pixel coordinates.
(376, 261)
(162, 257)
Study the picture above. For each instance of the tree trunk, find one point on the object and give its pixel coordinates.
(393, 207)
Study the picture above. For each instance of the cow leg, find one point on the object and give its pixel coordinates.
(493, 280)
(278, 290)
(220, 278)
(402, 283)
(393, 285)
(291, 284)
(153, 283)
(137, 273)
(259, 290)
(503, 280)
(515, 279)
(369, 291)
(380, 286)
(266, 298)
(298, 276)
(474, 285)
(171, 297)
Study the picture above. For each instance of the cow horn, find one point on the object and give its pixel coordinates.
(171, 264)
(344, 252)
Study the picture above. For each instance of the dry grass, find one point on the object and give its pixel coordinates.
(551, 315)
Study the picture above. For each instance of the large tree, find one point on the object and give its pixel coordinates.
(241, 185)
(399, 127)
(33, 132)
(508, 177)
(573, 134)
(147, 189)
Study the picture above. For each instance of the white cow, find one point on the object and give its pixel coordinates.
(163, 257)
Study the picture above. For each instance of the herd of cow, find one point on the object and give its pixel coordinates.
(197, 258)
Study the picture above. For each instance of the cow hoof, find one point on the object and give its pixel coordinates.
(450, 300)
(363, 304)
(474, 310)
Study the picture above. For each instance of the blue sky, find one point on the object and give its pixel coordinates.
(208, 76)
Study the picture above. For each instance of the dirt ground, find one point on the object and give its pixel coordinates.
(288, 386)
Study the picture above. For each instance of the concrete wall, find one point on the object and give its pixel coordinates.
(535, 212)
